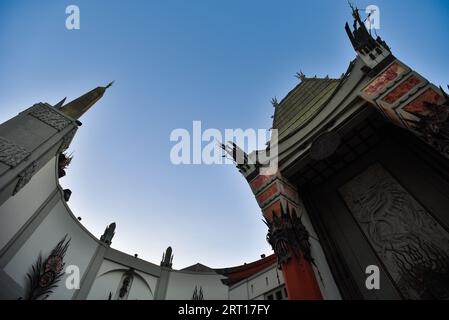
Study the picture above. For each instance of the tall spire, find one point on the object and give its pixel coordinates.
(76, 108)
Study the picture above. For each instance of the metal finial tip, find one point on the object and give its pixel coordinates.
(110, 84)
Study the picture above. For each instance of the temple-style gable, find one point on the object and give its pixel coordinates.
(359, 160)
(302, 104)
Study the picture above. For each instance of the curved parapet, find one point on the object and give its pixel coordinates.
(42, 243)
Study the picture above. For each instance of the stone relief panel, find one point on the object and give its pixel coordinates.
(411, 243)
(49, 116)
(10, 153)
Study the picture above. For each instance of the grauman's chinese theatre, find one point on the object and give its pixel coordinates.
(362, 180)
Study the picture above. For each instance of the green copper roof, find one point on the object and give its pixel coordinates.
(302, 103)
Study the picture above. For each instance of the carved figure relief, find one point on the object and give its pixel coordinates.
(411, 243)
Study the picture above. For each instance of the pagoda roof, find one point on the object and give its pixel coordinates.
(302, 103)
(237, 273)
(244, 271)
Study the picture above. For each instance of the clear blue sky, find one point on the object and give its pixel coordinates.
(217, 61)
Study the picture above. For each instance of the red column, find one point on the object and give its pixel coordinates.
(290, 241)
(300, 280)
(280, 202)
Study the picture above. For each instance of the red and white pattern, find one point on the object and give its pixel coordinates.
(379, 83)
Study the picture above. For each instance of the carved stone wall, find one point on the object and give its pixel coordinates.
(10, 153)
(410, 242)
(49, 116)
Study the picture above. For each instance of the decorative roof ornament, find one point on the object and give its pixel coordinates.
(361, 39)
(108, 234)
(287, 234)
(198, 294)
(167, 258)
(325, 145)
(274, 102)
(240, 157)
(300, 75)
(64, 161)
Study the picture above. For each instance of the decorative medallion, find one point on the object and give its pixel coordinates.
(11, 154)
(324, 145)
(46, 274)
(49, 116)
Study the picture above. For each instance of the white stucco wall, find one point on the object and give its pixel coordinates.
(239, 291)
(107, 280)
(55, 226)
(323, 275)
(257, 285)
(182, 284)
(109, 277)
(16, 211)
(140, 289)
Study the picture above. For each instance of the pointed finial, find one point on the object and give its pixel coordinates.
(274, 102)
(167, 258)
(354, 9)
(110, 84)
(59, 104)
(108, 234)
(355, 15)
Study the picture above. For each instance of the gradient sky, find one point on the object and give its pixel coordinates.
(218, 61)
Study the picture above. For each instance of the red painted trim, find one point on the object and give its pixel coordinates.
(264, 196)
(259, 182)
(244, 271)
